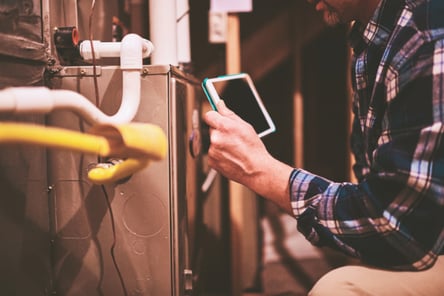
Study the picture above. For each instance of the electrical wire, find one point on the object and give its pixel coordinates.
(179, 19)
(96, 87)
(114, 242)
(108, 203)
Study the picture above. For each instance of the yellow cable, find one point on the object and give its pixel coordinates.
(134, 139)
(22, 133)
(103, 174)
(139, 142)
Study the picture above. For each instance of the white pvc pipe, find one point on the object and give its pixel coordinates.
(183, 32)
(163, 31)
(101, 49)
(110, 49)
(43, 100)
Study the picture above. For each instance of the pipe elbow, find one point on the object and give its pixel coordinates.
(147, 48)
(131, 57)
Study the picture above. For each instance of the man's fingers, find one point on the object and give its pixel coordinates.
(223, 109)
(212, 118)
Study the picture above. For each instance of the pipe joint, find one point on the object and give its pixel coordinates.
(131, 52)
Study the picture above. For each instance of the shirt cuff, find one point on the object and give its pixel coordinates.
(305, 190)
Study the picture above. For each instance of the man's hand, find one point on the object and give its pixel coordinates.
(236, 150)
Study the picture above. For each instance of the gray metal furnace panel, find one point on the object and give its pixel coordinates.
(147, 224)
(25, 267)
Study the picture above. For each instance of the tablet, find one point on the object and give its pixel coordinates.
(241, 96)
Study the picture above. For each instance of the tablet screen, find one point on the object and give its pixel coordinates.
(240, 95)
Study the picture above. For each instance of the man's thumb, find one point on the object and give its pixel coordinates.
(223, 109)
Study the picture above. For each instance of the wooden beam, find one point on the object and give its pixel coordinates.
(267, 47)
(242, 201)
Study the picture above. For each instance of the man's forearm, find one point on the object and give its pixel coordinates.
(272, 182)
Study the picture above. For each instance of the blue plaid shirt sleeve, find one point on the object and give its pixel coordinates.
(394, 216)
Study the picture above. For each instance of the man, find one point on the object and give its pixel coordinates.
(393, 219)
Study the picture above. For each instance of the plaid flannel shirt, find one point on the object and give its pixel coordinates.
(394, 217)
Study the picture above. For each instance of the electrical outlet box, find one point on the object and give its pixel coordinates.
(217, 27)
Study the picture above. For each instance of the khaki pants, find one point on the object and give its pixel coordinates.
(360, 280)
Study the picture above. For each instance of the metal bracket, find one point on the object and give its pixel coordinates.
(87, 71)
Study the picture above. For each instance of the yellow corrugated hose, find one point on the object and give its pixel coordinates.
(29, 134)
(103, 174)
(137, 143)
